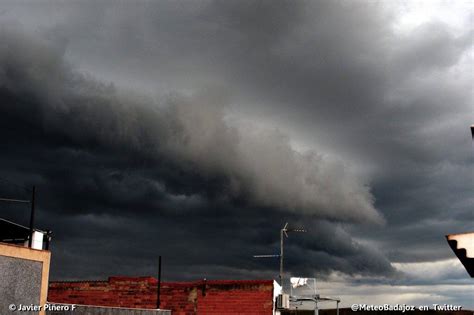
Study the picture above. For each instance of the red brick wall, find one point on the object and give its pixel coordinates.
(250, 297)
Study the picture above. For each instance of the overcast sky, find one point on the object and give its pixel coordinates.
(195, 129)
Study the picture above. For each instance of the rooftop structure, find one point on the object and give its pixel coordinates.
(463, 246)
(24, 276)
(14, 233)
(198, 297)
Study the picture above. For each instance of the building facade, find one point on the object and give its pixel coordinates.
(250, 297)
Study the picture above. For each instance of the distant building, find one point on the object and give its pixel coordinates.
(213, 297)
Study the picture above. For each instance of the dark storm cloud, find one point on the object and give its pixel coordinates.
(336, 76)
(98, 151)
(64, 107)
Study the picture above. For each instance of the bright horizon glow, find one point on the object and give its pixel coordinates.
(411, 14)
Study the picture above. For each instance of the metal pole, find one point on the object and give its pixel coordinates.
(337, 307)
(281, 258)
(32, 216)
(158, 302)
(48, 240)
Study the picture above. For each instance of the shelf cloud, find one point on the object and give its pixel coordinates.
(196, 130)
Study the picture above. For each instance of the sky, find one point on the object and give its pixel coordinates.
(195, 129)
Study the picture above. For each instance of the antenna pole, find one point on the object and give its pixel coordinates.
(282, 232)
(32, 217)
(158, 288)
(281, 258)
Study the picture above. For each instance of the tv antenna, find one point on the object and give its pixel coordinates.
(284, 231)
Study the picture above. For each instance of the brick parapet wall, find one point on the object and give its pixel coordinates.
(252, 297)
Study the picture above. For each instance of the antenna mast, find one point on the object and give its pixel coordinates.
(284, 231)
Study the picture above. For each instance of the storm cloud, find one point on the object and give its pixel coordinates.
(255, 166)
(196, 130)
